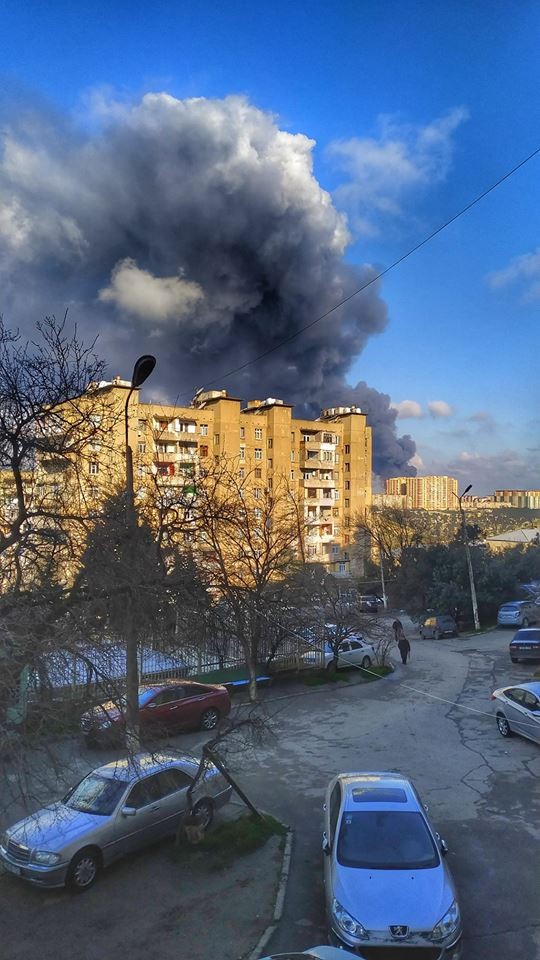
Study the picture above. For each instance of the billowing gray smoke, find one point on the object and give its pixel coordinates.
(194, 230)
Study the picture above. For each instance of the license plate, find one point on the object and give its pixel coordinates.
(12, 869)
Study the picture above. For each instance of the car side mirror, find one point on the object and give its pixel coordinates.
(128, 811)
(443, 846)
(151, 706)
(325, 845)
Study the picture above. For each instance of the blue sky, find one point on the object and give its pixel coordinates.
(415, 108)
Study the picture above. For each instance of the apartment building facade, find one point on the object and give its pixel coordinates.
(425, 493)
(528, 499)
(326, 463)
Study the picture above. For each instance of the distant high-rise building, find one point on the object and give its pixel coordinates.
(425, 493)
(530, 499)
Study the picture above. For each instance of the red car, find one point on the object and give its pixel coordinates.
(163, 708)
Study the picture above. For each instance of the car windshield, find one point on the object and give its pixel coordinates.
(95, 794)
(510, 606)
(386, 840)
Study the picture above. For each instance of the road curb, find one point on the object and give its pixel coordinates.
(259, 948)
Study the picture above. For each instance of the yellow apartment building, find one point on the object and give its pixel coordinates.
(326, 462)
(425, 493)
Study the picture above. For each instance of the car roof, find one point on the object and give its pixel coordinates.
(533, 686)
(144, 764)
(179, 682)
(396, 792)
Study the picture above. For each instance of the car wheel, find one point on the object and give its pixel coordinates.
(204, 810)
(436, 634)
(366, 663)
(503, 725)
(83, 870)
(525, 622)
(210, 719)
(331, 666)
(514, 659)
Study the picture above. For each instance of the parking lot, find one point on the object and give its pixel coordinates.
(431, 720)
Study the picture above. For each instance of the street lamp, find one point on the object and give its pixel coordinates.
(141, 371)
(468, 554)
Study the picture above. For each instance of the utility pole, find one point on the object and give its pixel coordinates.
(141, 371)
(469, 559)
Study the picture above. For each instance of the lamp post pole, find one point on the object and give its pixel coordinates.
(469, 559)
(141, 371)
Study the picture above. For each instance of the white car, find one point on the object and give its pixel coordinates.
(352, 652)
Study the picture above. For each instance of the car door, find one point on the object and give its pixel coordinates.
(531, 720)
(344, 654)
(173, 788)
(157, 715)
(514, 709)
(141, 825)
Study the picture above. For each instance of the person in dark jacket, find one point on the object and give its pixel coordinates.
(401, 640)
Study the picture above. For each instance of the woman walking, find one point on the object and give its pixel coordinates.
(401, 640)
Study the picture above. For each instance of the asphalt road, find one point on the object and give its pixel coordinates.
(431, 720)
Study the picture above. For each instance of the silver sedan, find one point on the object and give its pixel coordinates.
(116, 809)
(518, 710)
(387, 885)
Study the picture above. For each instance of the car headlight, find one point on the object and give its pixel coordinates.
(45, 857)
(103, 722)
(347, 923)
(448, 924)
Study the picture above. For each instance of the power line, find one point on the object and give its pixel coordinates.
(378, 276)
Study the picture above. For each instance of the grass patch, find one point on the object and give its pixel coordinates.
(230, 840)
(320, 677)
(379, 671)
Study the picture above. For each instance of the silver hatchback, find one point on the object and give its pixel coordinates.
(387, 885)
(115, 810)
(518, 710)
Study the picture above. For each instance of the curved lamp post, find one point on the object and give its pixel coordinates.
(141, 371)
(469, 560)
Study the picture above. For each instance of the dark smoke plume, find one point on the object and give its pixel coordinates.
(194, 230)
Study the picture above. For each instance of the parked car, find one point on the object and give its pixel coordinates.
(352, 652)
(518, 613)
(387, 884)
(438, 625)
(369, 603)
(518, 710)
(116, 809)
(163, 708)
(525, 645)
(316, 953)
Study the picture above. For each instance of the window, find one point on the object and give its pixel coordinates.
(216, 439)
(141, 447)
(93, 467)
(342, 567)
(170, 781)
(242, 432)
(242, 453)
(144, 792)
(258, 453)
(258, 433)
(270, 443)
(347, 521)
(347, 503)
(311, 551)
(257, 513)
(204, 429)
(258, 473)
(270, 463)
(141, 425)
(270, 483)
(347, 484)
(241, 473)
(163, 425)
(335, 549)
(328, 456)
(336, 494)
(93, 491)
(335, 511)
(347, 468)
(292, 455)
(291, 475)
(141, 470)
(347, 448)
(292, 436)
(204, 450)
(257, 493)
